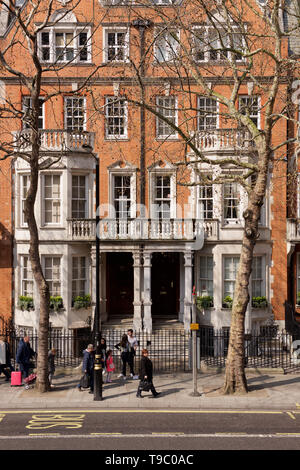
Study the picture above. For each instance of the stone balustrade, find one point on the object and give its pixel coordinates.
(223, 139)
(142, 229)
(55, 140)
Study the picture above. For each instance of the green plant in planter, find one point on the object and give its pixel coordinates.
(259, 302)
(227, 302)
(56, 303)
(205, 301)
(82, 301)
(26, 302)
(298, 298)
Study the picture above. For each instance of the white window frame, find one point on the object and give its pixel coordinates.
(256, 116)
(125, 47)
(172, 175)
(119, 136)
(85, 199)
(207, 30)
(200, 212)
(79, 279)
(209, 114)
(236, 257)
(23, 223)
(51, 224)
(232, 220)
(64, 29)
(28, 279)
(203, 260)
(122, 175)
(26, 102)
(163, 109)
(261, 279)
(66, 116)
(171, 54)
(59, 257)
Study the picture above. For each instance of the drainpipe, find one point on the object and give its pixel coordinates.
(141, 25)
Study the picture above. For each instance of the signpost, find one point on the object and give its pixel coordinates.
(194, 327)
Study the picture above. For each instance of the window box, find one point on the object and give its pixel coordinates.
(205, 301)
(56, 303)
(227, 302)
(259, 302)
(25, 303)
(81, 301)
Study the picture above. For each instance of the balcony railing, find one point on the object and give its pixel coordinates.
(142, 229)
(55, 140)
(293, 230)
(223, 139)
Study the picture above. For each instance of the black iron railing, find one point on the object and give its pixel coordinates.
(170, 350)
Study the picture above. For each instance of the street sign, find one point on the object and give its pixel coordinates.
(194, 326)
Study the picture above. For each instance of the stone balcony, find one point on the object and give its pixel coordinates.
(293, 230)
(223, 140)
(151, 229)
(142, 229)
(55, 140)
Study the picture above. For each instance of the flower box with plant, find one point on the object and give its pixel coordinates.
(56, 303)
(227, 302)
(205, 301)
(259, 302)
(298, 298)
(26, 303)
(81, 301)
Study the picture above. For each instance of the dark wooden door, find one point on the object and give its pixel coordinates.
(120, 284)
(165, 283)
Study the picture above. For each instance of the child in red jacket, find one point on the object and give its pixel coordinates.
(110, 367)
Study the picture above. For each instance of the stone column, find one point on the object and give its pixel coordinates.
(188, 278)
(147, 292)
(93, 281)
(137, 303)
(103, 299)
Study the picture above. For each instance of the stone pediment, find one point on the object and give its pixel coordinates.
(122, 165)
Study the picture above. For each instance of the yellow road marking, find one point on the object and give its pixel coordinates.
(168, 433)
(1, 417)
(45, 434)
(291, 414)
(106, 434)
(148, 411)
(288, 434)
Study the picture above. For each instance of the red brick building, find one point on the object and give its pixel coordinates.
(149, 262)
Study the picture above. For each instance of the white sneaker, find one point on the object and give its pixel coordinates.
(135, 377)
(120, 375)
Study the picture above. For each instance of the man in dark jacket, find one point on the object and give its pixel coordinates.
(146, 374)
(88, 365)
(24, 355)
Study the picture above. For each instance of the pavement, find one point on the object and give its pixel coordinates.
(269, 389)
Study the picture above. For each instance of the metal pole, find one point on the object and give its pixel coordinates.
(195, 392)
(97, 333)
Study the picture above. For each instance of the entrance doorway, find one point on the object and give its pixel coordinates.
(165, 284)
(119, 269)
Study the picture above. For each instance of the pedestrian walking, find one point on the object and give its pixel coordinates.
(5, 359)
(146, 376)
(51, 365)
(103, 348)
(133, 344)
(88, 366)
(24, 355)
(124, 346)
(110, 367)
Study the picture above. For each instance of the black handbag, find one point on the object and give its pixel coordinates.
(85, 381)
(145, 385)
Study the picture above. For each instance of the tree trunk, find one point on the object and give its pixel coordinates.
(235, 378)
(42, 383)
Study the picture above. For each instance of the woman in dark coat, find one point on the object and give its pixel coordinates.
(123, 346)
(146, 374)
